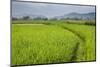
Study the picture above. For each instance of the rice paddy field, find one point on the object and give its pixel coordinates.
(46, 43)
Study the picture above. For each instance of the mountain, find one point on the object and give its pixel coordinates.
(73, 15)
(85, 16)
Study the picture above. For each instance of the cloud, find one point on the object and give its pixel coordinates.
(48, 10)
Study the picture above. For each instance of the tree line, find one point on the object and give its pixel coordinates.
(45, 18)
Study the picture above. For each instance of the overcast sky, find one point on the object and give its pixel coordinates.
(48, 10)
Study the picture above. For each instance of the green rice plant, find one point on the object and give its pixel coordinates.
(86, 51)
(41, 44)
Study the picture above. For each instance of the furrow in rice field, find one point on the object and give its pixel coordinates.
(86, 33)
(81, 42)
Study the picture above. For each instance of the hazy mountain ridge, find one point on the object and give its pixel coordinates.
(85, 16)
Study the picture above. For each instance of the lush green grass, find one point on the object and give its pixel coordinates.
(36, 44)
(52, 43)
(86, 51)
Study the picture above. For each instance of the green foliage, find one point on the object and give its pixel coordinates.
(90, 23)
(46, 21)
(26, 18)
(54, 42)
(86, 51)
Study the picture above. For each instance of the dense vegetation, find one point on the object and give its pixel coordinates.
(54, 41)
(85, 22)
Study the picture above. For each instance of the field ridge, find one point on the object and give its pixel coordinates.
(74, 57)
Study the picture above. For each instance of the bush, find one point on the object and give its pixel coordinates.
(90, 23)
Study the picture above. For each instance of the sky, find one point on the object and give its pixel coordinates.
(48, 10)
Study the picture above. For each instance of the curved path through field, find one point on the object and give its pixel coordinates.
(75, 51)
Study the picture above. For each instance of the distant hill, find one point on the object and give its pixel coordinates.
(85, 16)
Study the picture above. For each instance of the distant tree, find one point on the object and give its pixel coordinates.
(74, 18)
(26, 17)
(37, 18)
(14, 18)
(40, 18)
(45, 18)
(90, 22)
(68, 18)
(65, 18)
(53, 19)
